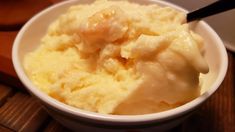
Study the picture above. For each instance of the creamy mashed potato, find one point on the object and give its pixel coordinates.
(117, 57)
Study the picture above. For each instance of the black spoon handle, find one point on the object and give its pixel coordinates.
(214, 8)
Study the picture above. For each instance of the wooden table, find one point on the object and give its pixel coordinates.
(20, 112)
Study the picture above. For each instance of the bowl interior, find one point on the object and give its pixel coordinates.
(29, 38)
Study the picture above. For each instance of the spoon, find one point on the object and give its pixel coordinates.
(212, 9)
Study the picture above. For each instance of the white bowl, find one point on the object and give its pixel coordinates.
(29, 38)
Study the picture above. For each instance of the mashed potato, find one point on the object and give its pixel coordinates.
(116, 57)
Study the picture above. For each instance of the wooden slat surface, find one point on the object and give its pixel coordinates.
(20, 112)
(54, 126)
(4, 129)
(5, 92)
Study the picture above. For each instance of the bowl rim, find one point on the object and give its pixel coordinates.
(161, 116)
